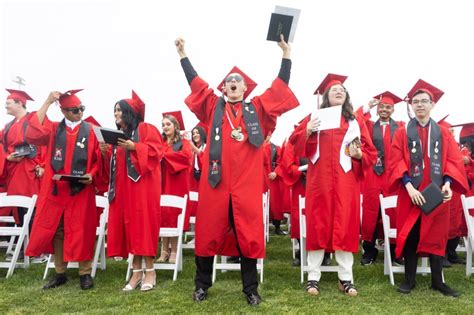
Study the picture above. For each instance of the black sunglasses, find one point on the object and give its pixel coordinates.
(237, 78)
(76, 110)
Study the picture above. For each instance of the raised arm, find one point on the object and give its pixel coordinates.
(185, 63)
(52, 97)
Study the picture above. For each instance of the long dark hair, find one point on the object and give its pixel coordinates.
(202, 134)
(347, 109)
(129, 117)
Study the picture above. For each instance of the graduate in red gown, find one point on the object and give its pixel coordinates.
(23, 163)
(230, 195)
(376, 179)
(134, 191)
(424, 153)
(272, 154)
(466, 139)
(175, 167)
(198, 145)
(338, 160)
(66, 217)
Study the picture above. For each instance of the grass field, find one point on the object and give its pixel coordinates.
(281, 291)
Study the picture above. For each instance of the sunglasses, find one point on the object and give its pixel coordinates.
(76, 110)
(237, 78)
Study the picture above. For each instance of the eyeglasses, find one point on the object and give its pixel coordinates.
(76, 110)
(424, 101)
(338, 90)
(237, 78)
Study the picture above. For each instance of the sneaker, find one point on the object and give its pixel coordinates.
(39, 259)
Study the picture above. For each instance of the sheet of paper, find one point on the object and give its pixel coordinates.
(330, 117)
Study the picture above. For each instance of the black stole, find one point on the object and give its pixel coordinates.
(377, 137)
(22, 147)
(79, 158)
(131, 171)
(254, 132)
(273, 156)
(416, 154)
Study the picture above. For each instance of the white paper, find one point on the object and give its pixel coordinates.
(330, 117)
(295, 13)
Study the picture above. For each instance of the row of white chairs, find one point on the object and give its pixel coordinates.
(99, 260)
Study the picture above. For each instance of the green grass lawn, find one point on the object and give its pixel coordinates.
(281, 291)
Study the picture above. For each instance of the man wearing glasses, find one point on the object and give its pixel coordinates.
(424, 154)
(230, 195)
(66, 216)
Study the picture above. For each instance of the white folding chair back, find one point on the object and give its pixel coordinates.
(174, 202)
(101, 232)
(193, 196)
(390, 233)
(17, 231)
(266, 214)
(224, 266)
(303, 253)
(468, 204)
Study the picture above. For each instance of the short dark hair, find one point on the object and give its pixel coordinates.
(418, 92)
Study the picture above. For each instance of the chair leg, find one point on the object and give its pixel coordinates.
(469, 268)
(129, 268)
(214, 271)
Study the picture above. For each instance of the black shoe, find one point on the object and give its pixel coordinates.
(59, 279)
(86, 282)
(457, 260)
(253, 299)
(443, 288)
(326, 261)
(398, 262)
(366, 261)
(199, 295)
(405, 288)
(280, 232)
(446, 263)
(233, 260)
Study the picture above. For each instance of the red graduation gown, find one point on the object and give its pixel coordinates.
(79, 211)
(374, 184)
(134, 216)
(241, 178)
(434, 227)
(20, 177)
(276, 202)
(333, 196)
(175, 168)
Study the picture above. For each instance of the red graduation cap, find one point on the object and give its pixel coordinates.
(388, 97)
(429, 89)
(137, 105)
(330, 80)
(178, 116)
(69, 99)
(92, 121)
(466, 130)
(443, 122)
(251, 85)
(19, 96)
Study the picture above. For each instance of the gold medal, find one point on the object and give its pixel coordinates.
(234, 134)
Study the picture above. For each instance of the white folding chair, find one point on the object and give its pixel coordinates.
(303, 255)
(101, 232)
(224, 266)
(17, 231)
(389, 233)
(193, 196)
(468, 204)
(266, 214)
(174, 202)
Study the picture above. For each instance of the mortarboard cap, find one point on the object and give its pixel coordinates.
(19, 96)
(251, 85)
(137, 105)
(330, 80)
(424, 86)
(388, 97)
(69, 99)
(443, 122)
(92, 121)
(466, 130)
(179, 118)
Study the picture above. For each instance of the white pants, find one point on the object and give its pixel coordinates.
(345, 260)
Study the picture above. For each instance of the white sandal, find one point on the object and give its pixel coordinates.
(128, 287)
(149, 286)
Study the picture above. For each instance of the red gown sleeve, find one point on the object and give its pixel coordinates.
(202, 100)
(398, 164)
(369, 153)
(454, 166)
(37, 133)
(149, 150)
(179, 160)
